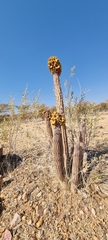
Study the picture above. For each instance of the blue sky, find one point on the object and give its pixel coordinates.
(76, 31)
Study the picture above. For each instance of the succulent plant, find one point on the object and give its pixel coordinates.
(58, 119)
(54, 65)
(58, 153)
(76, 167)
(58, 137)
(47, 114)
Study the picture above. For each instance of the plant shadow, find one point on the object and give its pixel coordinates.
(94, 158)
(8, 163)
(2, 207)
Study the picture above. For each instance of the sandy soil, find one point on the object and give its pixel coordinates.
(45, 209)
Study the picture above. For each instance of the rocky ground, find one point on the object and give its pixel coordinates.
(35, 206)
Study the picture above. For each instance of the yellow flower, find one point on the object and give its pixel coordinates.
(53, 121)
(54, 65)
(63, 120)
(55, 115)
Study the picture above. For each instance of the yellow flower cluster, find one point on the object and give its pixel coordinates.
(54, 117)
(57, 118)
(47, 114)
(54, 65)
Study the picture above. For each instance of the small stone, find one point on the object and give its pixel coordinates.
(86, 209)
(25, 197)
(24, 218)
(40, 211)
(16, 238)
(68, 214)
(45, 211)
(61, 217)
(95, 238)
(93, 212)
(29, 222)
(34, 217)
(36, 190)
(15, 195)
(107, 236)
(81, 212)
(39, 223)
(2, 196)
(19, 197)
(33, 232)
(101, 207)
(39, 194)
(2, 229)
(43, 203)
(36, 209)
(31, 204)
(55, 190)
(22, 184)
(16, 219)
(58, 210)
(7, 235)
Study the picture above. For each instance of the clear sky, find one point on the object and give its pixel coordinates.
(76, 31)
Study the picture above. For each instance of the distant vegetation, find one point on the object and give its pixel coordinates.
(35, 110)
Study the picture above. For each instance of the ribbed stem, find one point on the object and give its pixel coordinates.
(60, 109)
(57, 153)
(58, 94)
(76, 167)
(49, 130)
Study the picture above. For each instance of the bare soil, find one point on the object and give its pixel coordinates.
(47, 210)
